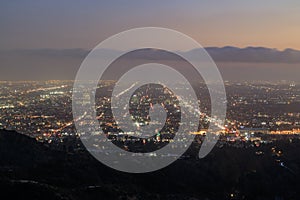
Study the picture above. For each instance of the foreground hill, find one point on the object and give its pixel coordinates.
(31, 170)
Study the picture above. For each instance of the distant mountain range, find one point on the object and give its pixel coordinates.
(252, 54)
(219, 54)
(250, 63)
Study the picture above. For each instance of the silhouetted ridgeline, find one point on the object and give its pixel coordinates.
(30, 170)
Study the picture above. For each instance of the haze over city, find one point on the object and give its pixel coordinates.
(52, 38)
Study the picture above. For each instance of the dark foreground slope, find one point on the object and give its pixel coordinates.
(30, 170)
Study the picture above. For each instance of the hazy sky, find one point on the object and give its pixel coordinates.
(40, 39)
(30, 24)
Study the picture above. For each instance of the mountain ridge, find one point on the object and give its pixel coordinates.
(219, 54)
(77, 176)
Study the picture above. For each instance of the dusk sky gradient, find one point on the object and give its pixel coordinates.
(81, 24)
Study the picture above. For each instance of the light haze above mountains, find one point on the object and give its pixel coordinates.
(250, 63)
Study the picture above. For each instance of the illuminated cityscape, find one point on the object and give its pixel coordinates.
(42, 109)
(150, 100)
